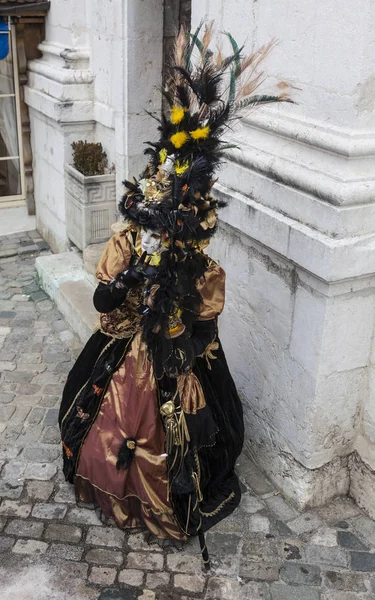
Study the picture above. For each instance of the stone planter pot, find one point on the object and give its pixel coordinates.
(90, 207)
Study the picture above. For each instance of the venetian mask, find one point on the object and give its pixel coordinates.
(150, 241)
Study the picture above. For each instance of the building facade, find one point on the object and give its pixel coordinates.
(298, 235)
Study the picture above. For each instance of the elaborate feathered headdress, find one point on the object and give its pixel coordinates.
(205, 92)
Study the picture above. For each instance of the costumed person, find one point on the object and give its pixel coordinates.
(151, 422)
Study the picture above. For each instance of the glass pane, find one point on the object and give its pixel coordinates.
(8, 127)
(10, 178)
(6, 66)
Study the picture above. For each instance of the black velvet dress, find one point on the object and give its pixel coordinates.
(112, 395)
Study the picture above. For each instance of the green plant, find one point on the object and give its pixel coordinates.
(89, 158)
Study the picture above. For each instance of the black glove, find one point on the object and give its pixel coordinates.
(109, 296)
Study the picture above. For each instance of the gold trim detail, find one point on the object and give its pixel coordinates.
(218, 509)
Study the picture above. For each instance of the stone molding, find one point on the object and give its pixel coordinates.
(329, 259)
(319, 176)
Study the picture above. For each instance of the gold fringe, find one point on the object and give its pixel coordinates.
(218, 509)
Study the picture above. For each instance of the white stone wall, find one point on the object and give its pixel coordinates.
(297, 242)
(100, 64)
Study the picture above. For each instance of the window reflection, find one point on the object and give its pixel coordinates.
(11, 167)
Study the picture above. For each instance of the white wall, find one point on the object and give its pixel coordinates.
(297, 243)
(100, 64)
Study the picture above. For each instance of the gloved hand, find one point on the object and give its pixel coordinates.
(135, 275)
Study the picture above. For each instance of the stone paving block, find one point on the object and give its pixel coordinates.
(6, 365)
(6, 412)
(49, 401)
(184, 563)
(101, 556)
(326, 536)
(278, 505)
(40, 453)
(259, 524)
(292, 551)
(346, 539)
(13, 508)
(287, 592)
(51, 417)
(258, 571)
(222, 544)
(251, 504)
(139, 541)
(257, 547)
(83, 516)
(32, 357)
(122, 594)
(336, 557)
(10, 489)
(74, 553)
(102, 575)
(222, 588)
(39, 490)
(49, 511)
(40, 471)
(365, 528)
(6, 398)
(8, 452)
(254, 591)
(145, 561)
(65, 493)
(6, 543)
(63, 533)
(51, 435)
(362, 561)
(36, 415)
(13, 471)
(16, 377)
(305, 523)
(105, 536)
(33, 547)
(2, 523)
(30, 434)
(11, 433)
(341, 580)
(131, 577)
(28, 529)
(157, 580)
(300, 574)
(189, 583)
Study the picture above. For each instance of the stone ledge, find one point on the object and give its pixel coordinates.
(64, 279)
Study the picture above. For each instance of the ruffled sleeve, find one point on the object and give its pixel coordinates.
(212, 289)
(116, 256)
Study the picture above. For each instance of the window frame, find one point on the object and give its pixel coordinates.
(17, 199)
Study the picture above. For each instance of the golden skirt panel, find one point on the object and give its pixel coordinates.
(136, 496)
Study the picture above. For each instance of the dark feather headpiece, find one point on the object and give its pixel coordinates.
(205, 93)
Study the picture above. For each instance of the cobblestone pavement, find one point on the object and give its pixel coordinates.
(53, 550)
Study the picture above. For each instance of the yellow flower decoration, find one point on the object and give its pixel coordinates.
(163, 155)
(179, 139)
(181, 167)
(155, 259)
(177, 114)
(201, 133)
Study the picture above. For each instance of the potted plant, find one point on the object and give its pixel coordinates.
(90, 195)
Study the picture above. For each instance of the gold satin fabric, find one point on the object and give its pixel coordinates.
(116, 257)
(212, 289)
(138, 495)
